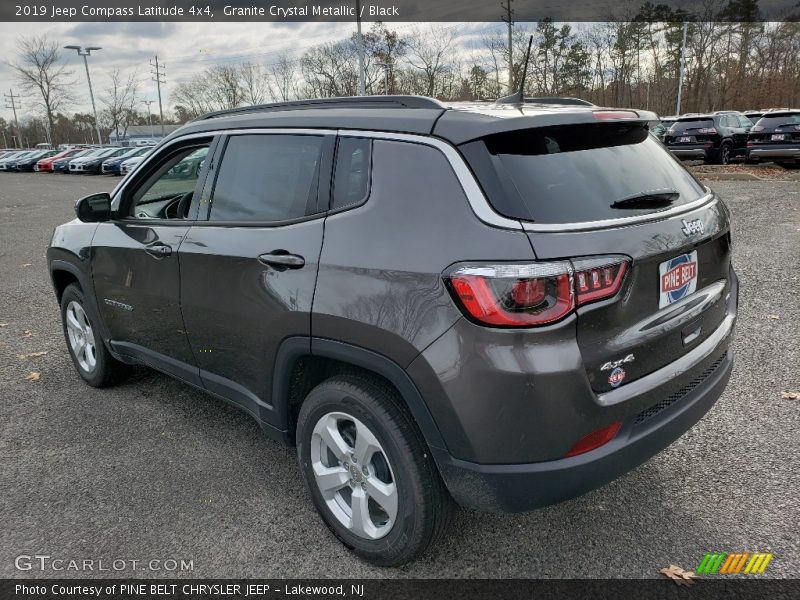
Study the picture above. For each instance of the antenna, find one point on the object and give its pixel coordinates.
(518, 97)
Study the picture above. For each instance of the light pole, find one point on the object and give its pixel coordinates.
(149, 120)
(84, 52)
(362, 88)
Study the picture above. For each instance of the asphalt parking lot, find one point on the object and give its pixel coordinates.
(154, 469)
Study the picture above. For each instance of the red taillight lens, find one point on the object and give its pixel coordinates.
(595, 439)
(527, 295)
(604, 115)
(596, 281)
(510, 295)
(708, 130)
(757, 128)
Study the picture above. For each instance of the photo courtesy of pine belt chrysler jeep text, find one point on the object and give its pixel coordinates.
(493, 305)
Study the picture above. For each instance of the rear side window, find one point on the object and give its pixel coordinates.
(353, 166)
(267, 178)
(575, 173)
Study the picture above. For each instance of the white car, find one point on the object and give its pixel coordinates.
(128, 165)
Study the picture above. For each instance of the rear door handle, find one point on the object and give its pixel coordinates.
(281, 259)
(159, 250)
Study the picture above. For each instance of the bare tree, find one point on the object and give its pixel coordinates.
(119, 99)
(255, 85)
(430, 54)
(39, 69)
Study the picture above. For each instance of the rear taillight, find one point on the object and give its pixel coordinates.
(757, 128)
(595, 439)
(707, 130)
(533, 294)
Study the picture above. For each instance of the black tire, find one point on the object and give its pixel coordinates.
(106, 369)
(725, 154)
(424, 507)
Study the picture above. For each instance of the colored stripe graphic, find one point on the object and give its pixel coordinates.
(733, 563)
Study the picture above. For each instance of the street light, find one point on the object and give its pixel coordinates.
(149, 120)
(84, 52)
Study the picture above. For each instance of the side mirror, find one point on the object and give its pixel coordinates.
(94, 208)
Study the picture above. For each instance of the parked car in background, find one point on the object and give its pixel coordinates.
(61, 165)
(776, 137)
(754, 115)
(716, 137)
(29, 162)
(46, 164)
(91, 162)
(8, 162)
(111, 166)
(129, 164)
(659, 128)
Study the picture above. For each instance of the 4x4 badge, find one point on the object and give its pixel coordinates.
(613, 364)
(692, 227)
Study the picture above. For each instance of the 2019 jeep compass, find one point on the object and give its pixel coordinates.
(500, 306)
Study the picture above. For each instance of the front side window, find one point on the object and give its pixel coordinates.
(267, 178)
(167, 193)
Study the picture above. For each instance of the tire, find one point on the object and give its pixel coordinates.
(348, 409)
(725, 154)
(790, 165)
(85, 345)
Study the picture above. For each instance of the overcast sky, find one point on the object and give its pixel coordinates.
(185, 48)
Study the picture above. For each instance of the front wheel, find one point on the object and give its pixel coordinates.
(89, 354)
(369, 472)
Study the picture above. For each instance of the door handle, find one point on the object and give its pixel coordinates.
(159, 250)
(281, 260)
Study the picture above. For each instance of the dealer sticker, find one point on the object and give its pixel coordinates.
(677, 278)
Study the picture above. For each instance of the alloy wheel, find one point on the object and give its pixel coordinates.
(353, 474)
(81, 336)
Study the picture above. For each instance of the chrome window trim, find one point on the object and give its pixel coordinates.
(477, 200)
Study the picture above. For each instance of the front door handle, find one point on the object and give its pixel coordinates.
(281, 259)
(159, 250)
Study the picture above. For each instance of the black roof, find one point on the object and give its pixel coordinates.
(455, 122)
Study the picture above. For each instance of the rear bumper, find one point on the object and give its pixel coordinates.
(692, 152)
(703, 374)
(786, 152)
(517, 488)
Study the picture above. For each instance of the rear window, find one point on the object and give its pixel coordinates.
(691, 124)
(780, 119)
(575, 173)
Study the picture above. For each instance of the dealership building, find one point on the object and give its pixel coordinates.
(140, 133)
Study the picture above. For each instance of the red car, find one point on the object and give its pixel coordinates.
(46, 164)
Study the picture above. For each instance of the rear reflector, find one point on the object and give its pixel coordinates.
(595, 439)
(533, 294)
(604, 115)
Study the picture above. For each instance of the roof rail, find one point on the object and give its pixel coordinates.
(558, 100)
(341, 102)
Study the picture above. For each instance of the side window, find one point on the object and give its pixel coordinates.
(352, 177)
(745, 122)
(267, 178)
(167, 193)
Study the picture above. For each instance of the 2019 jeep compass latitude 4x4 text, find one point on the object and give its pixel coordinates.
(499, 306)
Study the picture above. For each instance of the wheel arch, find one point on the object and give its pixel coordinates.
(302, 362)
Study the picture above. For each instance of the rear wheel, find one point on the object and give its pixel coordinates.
(724, 155)
(86, 348)
(369, 472)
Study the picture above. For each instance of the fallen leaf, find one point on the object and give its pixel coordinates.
(33, 354)
(790, 395)
(33, 376)
(27, 333)
(27, 265)
(678, 575)
(776, 317)
(3, 324)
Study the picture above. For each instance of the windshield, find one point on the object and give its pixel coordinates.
(575, 173)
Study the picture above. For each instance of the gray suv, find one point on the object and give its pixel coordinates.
(498, 306)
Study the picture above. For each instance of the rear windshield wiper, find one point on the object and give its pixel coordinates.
(651, 199)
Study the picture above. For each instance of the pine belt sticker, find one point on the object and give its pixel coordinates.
(677, 278)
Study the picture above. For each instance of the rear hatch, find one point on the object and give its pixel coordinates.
(690, 131)
(610, 192)
(774, 129)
